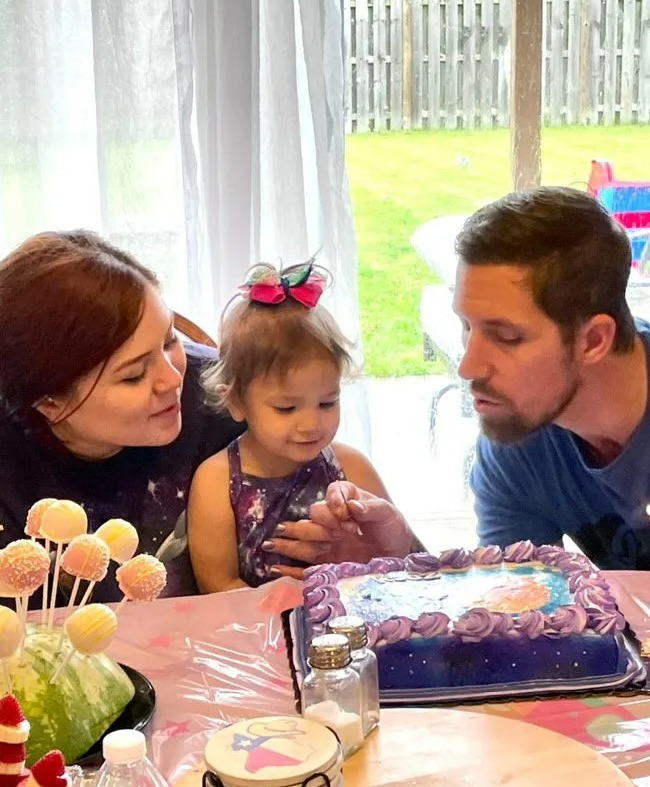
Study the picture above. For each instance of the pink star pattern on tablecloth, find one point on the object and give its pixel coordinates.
(173, 729)
(160, 641)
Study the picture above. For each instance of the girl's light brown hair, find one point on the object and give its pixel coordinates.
(259, 339)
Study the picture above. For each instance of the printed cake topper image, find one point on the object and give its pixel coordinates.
(275, 744)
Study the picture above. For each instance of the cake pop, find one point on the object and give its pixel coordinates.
(142, 578)
(61, 522)
(121, 537)
(35, 515)
(90, 630)
(86, 557)
(12, 633)
(24, 565)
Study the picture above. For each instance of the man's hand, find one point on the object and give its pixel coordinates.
(350, 524)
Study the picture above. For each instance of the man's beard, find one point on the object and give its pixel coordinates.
(512, 428)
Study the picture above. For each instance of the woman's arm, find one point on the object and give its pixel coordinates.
(211, 529)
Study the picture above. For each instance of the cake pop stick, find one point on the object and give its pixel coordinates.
(11, 636)
(33, 530)
(90, 630)
(142, 578)
(86, 557)
(61, 522)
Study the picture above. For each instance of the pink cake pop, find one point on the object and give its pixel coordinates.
(142, 578)
(61, 522)
(35, 515)
(86, 557)
(24, 565)
(90, 630)
(121, 537)
(12, 633)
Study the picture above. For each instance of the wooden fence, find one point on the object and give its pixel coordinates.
(446, 63)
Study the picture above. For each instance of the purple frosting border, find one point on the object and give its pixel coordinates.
(594, 607)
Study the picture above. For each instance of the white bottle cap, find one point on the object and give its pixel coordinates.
(124, 746)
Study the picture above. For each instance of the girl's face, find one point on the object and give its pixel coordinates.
(290, 419)
(135, 400)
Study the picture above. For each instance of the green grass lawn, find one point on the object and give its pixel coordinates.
(400, 180)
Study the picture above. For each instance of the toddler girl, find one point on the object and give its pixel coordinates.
(282, 358)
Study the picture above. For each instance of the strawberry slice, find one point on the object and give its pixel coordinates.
(49, 771)
(12, 752)
(11, 714)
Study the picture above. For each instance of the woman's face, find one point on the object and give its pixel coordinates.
(135, 401)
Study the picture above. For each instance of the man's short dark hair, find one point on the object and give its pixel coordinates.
(578, 255)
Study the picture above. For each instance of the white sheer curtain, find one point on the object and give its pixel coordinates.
(203, 135)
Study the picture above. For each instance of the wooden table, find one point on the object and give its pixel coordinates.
(454, 748)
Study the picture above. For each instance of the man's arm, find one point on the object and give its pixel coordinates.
(506, 486)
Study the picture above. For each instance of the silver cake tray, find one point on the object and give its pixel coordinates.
(634, 676)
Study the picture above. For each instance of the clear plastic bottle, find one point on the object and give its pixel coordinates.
(126, 763)
(331, 691)
(364, 663)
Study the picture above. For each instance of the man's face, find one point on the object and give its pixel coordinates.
(522, 375)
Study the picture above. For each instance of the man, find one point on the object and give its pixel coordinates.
(559, 374)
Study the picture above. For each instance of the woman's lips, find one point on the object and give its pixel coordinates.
(169, 412)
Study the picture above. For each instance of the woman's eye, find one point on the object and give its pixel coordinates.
(170, 341)
(328, 405)
(136, 378)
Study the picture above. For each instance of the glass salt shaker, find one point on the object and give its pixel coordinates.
(331, 691)
(364, 663)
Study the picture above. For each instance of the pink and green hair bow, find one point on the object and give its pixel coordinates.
(304, 283)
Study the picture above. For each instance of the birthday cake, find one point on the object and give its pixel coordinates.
(70, 688)
(473, 619)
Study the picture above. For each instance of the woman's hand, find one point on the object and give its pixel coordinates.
(350, 524)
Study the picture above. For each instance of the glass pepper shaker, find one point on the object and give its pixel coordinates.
(331, 691)
(364, 663)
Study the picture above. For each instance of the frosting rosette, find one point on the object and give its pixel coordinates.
(570, 619)
(487, 556)
(455, 558)
(325, 610)
(503, 623)
(317, 579)
(395, 629)
(373, 634)
(320, 595)
(431, 624)
(530, 623)
(606, 621)
(383, 565)
(549, 554)
(474, 625)
(421, 561)
(520, 552)
(350, 569)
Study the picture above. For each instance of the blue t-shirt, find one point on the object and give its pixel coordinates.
(543, 487)
(146, 486)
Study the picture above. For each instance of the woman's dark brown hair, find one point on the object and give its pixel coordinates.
(68, 301)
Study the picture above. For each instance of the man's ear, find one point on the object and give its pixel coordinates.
(596, 338)
(51, 407)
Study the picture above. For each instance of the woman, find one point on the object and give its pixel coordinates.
(100, 401)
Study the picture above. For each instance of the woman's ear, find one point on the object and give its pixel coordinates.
(51, 408)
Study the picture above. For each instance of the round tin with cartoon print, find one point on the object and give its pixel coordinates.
(274, 751)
